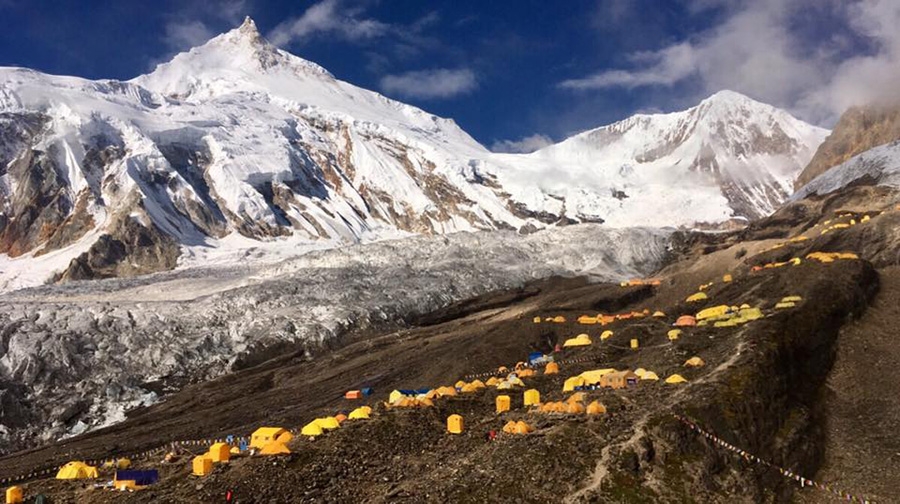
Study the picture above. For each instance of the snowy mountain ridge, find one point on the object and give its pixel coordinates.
(237, 147)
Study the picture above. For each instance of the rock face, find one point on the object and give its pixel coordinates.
(237, 145)
(858, 130)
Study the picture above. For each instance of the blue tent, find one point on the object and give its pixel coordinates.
(408, 392)
(367, 391)
(141, 478)
(535, 357)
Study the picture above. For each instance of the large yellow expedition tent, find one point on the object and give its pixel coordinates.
(580, 340)
(76, 470)
(265, 435)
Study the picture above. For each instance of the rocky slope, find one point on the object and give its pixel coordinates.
(762, 388)
(858, 130)
(237, 145)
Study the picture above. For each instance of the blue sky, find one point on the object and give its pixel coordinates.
(514, 74)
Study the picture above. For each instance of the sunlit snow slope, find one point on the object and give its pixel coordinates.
(236, 148)
(727, 157)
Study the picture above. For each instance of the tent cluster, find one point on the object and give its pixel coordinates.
(796, 261)
(121, 463)
(609, 319)
(638, 281)
(520, 427)
(644, 374)
(828, 257)
(601, 378)
(728, 316)
(788, 302)
(574, 405)
(559, 319)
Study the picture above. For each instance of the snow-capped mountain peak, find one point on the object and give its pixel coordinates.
(237, 144)
(729, 156)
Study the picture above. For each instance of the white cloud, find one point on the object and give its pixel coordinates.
(186, 34)
(758, 50)
(665, 67)
(523, 145)
(328, 16)
(436, 83)
(189, 27)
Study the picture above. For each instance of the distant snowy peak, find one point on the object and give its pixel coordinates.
(747, 152)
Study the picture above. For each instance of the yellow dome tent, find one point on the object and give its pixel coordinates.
(675, 378)
(358, 414)
(694, 362)
(593, 377)
(312, 429)
(575, 408)
(595, 408)
(576, 397)
(640, 371)
(674, 334)
(650, 375)
(700, 296)
(516, 381)
(265, 435)
(536, 320)
(715, 311)
(523, 428)
(328, 423)
(551, 368)
(76, 470)
(275, 448)
(510, 427)
(580, 340)
(658, 314)
(605, 335)
(492, 381)
(634, 344)
(727, 278)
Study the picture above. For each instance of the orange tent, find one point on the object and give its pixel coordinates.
(353, 394)
(686, 320)
(552, 368)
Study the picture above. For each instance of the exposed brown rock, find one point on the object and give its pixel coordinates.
(129, 249)
(858, 130)
(37, 208)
